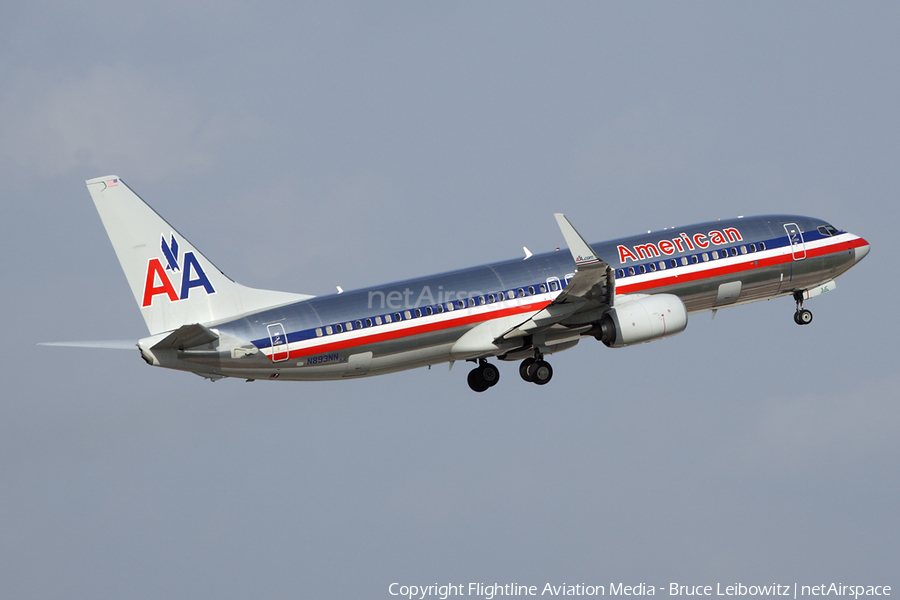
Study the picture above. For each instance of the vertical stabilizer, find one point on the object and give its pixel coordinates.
(172, 282)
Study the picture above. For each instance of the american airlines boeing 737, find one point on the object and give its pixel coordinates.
(622, 292)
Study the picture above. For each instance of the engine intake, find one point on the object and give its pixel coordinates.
(641, 320)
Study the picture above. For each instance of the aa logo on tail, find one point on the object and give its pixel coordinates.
(159, 281)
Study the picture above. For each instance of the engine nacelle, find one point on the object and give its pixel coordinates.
(641, 320)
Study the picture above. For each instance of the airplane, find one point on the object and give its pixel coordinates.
(621, 292)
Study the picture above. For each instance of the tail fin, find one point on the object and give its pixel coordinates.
(172, 282)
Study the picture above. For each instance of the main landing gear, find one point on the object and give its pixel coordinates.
(802, 316)
(483, 376)
(536, 370)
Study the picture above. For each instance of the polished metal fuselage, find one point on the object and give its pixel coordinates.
(416, 322)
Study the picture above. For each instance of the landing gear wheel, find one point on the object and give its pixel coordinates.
(797, 318)
(523, 369)
(483, 376)
(541, 372)
(489, 374)
(476, 382)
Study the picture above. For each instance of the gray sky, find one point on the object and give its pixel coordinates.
(307, 146)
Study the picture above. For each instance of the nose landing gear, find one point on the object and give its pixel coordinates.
(802, 316)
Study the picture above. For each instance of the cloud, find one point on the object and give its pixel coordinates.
(112, 118)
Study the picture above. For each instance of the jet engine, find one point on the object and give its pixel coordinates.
(640, 320)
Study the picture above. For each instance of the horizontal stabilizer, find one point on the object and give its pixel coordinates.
(187, 336)
(104, 344)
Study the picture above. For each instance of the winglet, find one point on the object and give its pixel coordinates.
(581, 251)
(594, 279)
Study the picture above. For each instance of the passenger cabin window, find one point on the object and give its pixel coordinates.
(449, 306)
(491, 298)
(460, 303)
(631, 270)
(543, 288)
(339, 328)
(554, 286)
(694, 259)
(734, 251)
(429, 311)
(471, 302)
(752, 247)
(684, 261)
(359, 324)
(531, 290)
(674, 263)
(348, 326)
(520, 293)
(662, 265)
(762, 246)
(328, 330)
(743, 249)
(378, 320)
(620, 273)
(642, 269)
(397, 317)
(705, 257)
(407, 314)
(481, 300)
(318, 332)
(418, 312)
(652, 267)
(440, 308)
(368, 322)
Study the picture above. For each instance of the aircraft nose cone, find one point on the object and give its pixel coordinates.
(862, 251)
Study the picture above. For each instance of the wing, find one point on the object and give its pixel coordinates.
(589, 292)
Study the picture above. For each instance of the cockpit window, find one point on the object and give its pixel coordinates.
(827, 230)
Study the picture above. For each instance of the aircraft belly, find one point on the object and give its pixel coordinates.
(350, 367)
(400, 354)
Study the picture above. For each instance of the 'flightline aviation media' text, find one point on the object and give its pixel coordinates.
(489, 591)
